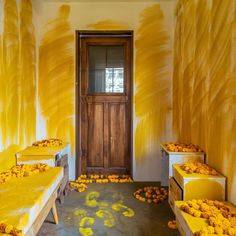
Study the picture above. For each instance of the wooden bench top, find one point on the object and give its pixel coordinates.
(21, 200)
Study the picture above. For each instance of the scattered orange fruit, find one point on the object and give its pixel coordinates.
(101, 179)
(172, 224)
(151, 194)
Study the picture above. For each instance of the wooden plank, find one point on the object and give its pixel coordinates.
(117, 133)
(95, 135)
(54, 213)
(43, 214)
(175, 189)
(63, 162)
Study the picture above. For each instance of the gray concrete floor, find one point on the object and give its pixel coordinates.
(78, 216)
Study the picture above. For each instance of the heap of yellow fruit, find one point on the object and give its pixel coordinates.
(181, 147)
(221, 218)
(151, 194)
(23, 170)
(199, 168)
(9, 229)
(80, 184)
(80, 187)
(52, 142)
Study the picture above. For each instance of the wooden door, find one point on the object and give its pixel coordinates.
(105, 104)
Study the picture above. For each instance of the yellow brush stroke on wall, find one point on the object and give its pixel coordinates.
(205, 42)
(18, 66)
(28, 75)
(152, 97)
(10, 75)
(1, 91)
(7, 157)
(107, 25)
(56, 77)
(9, 86)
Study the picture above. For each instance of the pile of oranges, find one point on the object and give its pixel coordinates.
(151, 194)
(23, 170)
(181, 147)
(52, 142)
(198, 168)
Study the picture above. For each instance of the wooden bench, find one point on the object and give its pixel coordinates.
(26, 202)
(52, 156)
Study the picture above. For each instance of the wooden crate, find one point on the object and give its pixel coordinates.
(47, 155)
(170, 158)
(175, 193)
(197, 186)
(187, 224)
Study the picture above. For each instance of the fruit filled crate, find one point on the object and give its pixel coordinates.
(200, 217)
(44, 151)
(177, 153)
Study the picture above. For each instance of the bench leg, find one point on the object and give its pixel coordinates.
(54, 213)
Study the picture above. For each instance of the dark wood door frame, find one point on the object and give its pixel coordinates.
(79, 35)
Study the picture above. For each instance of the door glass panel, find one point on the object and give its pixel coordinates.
(106, 69)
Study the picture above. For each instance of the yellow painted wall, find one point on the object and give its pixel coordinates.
(204, 82)
(17, 79)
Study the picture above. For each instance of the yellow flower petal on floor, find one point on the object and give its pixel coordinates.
(86, 231)
(109, 221)
(91, 199)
